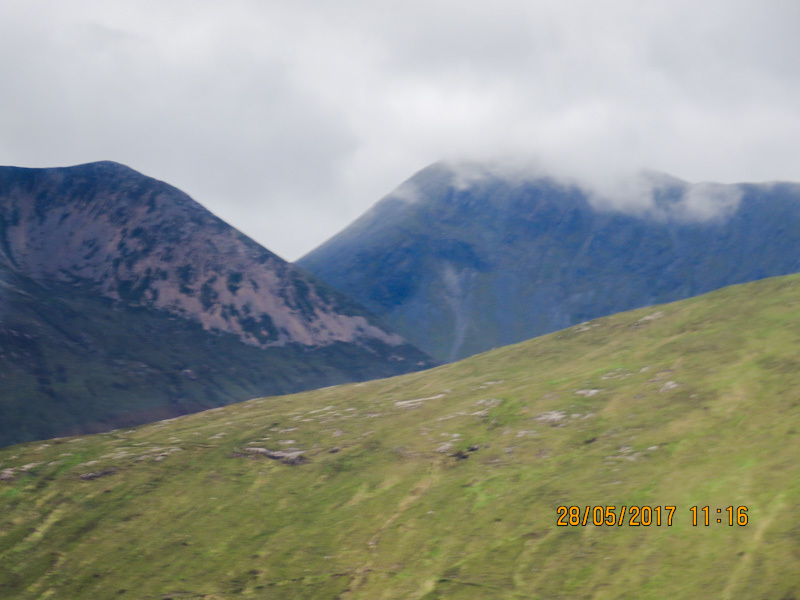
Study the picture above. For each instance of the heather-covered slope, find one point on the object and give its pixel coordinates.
(122, 300)
(143, 242)
(446, 483)
(460, 259)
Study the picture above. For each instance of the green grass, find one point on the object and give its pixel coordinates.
(699, 406)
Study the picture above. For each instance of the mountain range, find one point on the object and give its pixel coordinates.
(122, 300)
(465, 257)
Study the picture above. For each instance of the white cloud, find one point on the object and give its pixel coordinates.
(658, 196)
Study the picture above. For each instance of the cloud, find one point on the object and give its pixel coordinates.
(649, 194)
(290, 119)
(706, 201)
(657, 196)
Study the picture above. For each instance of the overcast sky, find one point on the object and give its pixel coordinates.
(290, 118)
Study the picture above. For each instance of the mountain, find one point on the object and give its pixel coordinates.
(464, 258)
(122, 300)
(447, 483)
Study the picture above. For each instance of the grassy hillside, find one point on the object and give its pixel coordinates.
(446, 483)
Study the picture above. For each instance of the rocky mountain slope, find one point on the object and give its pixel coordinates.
(463, 258)
(122, 300)
(447, 483)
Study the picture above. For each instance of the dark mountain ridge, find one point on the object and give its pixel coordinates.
(460, 265)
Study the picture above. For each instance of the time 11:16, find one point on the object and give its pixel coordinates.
(703, 515)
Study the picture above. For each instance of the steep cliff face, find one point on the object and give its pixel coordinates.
(461, 259)
(145, 243)
(122, 301)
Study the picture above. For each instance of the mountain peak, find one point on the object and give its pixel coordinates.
(122, 300)
(465, 256)
(143, 242)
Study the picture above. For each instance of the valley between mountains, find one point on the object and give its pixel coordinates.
(446, 483)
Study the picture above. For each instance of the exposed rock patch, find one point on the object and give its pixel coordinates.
(668, 386)
(648, 318)
(416, 402)
(96, 474)
(288, 458)
(553, 417)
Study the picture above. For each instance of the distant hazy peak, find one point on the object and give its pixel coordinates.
(467, 256)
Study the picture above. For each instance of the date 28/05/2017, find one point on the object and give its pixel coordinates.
(574, 516)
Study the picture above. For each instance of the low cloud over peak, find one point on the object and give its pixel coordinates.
(646, 193)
